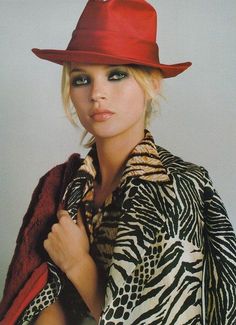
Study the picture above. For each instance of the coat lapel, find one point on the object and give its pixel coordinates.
(146, 188)
(81, 187)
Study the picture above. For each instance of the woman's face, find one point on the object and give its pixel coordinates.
(108, 100)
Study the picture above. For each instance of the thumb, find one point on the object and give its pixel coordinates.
(62, 213)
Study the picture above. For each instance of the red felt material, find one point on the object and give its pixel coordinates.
(26, 271)
(115, 32)
(32, 287)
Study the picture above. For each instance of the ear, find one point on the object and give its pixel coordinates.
(156, 88)
(156, 85)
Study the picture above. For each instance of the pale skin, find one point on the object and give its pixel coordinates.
(110, 105)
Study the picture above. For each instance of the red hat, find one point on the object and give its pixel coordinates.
(115, 32)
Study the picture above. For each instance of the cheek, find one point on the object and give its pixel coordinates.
(135, 99)
(73, 97)
(79, 102)
(78, 97)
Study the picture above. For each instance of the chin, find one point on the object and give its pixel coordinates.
(110, 130)
(106, 132)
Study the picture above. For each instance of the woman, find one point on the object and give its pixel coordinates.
(138, 239)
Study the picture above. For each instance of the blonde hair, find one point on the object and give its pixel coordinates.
(149, 79)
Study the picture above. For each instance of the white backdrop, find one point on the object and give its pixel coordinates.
(197, 119)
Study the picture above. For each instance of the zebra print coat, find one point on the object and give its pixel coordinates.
(174, 257)
(174, 262)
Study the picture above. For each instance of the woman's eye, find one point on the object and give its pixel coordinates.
(79, 81)
(117, 75)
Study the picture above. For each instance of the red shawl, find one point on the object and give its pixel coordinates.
(28, 271)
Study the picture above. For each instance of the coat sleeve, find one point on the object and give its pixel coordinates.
(219, 282)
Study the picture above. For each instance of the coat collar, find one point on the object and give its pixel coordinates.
(143, 162)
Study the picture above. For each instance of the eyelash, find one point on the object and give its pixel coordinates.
(121, 75)
(84, 80)
(79, 81)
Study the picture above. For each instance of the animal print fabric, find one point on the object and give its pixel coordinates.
(165, 243)
(174, 261)
(45, 298)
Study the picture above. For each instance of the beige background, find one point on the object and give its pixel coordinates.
(197, 119)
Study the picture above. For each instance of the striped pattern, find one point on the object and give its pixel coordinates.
(174, 260)
(163, 240)
(171, 262)
(144, 162)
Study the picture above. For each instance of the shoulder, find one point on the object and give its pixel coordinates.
(190, 178)
(51, 186)
(177, 167)
(174, 163)
(70, 164)
(64, 171)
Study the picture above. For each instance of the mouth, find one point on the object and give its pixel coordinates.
(101, 115)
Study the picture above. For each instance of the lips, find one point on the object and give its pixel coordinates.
(101, 115)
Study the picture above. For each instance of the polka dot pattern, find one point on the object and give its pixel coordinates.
(45, 298)
(129, 295)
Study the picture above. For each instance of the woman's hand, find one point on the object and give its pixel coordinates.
(67, 243)
(68, 246)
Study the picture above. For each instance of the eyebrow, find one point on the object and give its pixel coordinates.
(76, 70)
(109, 67)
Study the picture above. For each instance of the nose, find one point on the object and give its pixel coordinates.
(98, 91)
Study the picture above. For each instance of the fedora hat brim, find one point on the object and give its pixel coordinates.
(88, 57)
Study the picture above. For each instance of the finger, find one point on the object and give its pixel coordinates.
(46, 244)
(62, 213)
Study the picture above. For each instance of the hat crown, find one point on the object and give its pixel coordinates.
(128, 18)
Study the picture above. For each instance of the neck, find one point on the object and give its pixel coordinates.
(112, 155)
